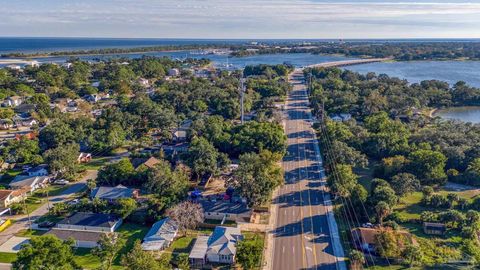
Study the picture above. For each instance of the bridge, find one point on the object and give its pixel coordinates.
(349, 62)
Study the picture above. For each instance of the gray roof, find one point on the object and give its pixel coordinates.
(91, 219)
(225, 207)
(199, 249)
(165, 229)
(223, 240)
(27, 181)
(112, 193)
(87, 236)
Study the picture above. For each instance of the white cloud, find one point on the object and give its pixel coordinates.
(241, 18)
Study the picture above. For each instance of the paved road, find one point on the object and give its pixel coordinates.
(305, 234)
(22, 220)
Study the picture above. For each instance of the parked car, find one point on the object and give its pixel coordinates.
(61, 182)
(46, 224)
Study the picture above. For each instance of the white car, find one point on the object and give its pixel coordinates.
(60, 182)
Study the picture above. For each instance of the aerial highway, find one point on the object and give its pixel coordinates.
(305, 234)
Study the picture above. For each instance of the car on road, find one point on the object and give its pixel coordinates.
(60, 182)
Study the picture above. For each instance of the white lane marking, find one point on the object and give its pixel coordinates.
(309, 249)
(283, 249)
(293, 249)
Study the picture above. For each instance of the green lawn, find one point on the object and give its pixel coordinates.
(30, 233)
(8, 176)
(6, 257)
(95, 164)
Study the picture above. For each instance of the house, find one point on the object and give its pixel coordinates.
(174, 72)
(341, 117)
(180, 133)
(113, 193)
(144, 82)
(84, 157)
(94, 222)
(364, 238)
(226, 210)
(25, 109)
(7, 197)
(221, 247)
(6, 124)
(13, 101)
(434, 228)
(82, 239)
(27, 136)
(198, 252)
(145, 162)
(31, 183)
(160, 236)
(93, 98)
(40, 170)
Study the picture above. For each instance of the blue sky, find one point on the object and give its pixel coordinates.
(241, 18)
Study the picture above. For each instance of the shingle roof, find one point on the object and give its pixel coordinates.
(77, 235)
(223, 240)
(149, 162)
(112, 193)
(90, 219)
(25, 180)
(4, 194)
(165, 229)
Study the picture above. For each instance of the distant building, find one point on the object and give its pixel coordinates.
(40, 170)
(114, 193)
(341, 117)
(174, 72)
(434, 228)
(13, 101)
(226, 210)
(144, 162)
(144, 82)
(364, 238)
(7, 197)
(84, 157)
(221, 247)
(160, 236)
(95, 222)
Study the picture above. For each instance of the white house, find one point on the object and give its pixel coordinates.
(7, 197)
(160, 236)
(221, 247)
(144, 82)
(13, 101)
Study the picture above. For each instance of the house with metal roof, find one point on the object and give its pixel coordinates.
(226, 210)
(113, 193)
(160, 236)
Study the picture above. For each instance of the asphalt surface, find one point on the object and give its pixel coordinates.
(304, 230)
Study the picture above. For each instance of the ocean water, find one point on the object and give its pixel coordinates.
(465, 114)
(417, 71)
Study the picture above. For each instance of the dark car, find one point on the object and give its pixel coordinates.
(46, 224)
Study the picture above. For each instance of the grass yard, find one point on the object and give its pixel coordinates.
(6, 257)
(30, 233)
(8, 176)
(410, 206)
(95, 164)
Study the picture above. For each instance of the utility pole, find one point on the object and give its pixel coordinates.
(242, 97)
(28, 214)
